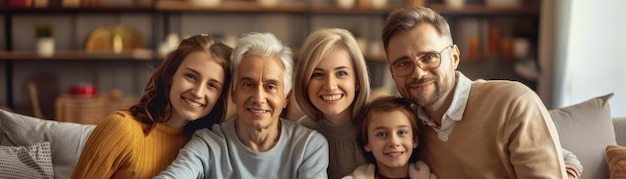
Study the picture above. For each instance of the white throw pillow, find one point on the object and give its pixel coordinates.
(586, 129)
(66, 139)
(33, 161)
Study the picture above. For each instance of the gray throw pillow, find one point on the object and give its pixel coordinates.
(586, 129)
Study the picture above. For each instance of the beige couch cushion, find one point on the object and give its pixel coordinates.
(586, 129)
(66, 139)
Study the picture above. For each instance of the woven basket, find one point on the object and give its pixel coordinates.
(90, 110)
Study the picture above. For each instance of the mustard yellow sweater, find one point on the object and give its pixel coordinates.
(118, 148)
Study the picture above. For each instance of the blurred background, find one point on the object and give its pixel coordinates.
(77, 60)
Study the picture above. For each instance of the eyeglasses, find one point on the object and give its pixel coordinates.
(427, 61)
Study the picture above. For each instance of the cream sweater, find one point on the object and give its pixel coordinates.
(419, 170)
(503, 131)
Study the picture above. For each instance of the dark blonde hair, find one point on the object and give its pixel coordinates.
(155, 104)
(318, 44)
(386, 104)
(407, 18)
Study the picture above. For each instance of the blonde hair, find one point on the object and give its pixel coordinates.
(318, 44)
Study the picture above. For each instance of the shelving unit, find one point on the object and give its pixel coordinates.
(482, 10)
(80, 55)
(231, 6)
(333, 9)
(490, 64)
(168, 6)
(94, 9)
(20, 64)
(295, 20)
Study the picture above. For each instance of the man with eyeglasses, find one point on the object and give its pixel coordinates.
(471, 129)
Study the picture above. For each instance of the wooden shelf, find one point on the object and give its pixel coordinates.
(81, 55)
(125, 8)
(125, 55)
(476, 9)
(334, 9)
(231, 6)
(288, 7)
(368, 57)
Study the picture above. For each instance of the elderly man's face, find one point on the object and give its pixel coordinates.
(259, 93)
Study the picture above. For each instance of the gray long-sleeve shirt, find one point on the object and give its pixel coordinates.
(218, 153)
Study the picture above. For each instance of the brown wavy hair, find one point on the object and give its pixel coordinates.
(155, 106)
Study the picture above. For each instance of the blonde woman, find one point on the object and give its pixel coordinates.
(331, 86)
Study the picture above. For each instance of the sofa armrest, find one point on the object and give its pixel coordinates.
(620, 130)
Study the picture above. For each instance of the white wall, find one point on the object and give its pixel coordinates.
(588, 52)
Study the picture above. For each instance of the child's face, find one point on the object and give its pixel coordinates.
(390, 139)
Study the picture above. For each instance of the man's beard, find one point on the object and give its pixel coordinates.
(420, 98)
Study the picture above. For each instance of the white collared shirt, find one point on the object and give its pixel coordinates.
(454, 112)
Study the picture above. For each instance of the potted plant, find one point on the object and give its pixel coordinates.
(45, 40)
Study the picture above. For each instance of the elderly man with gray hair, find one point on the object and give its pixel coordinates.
(257, 143)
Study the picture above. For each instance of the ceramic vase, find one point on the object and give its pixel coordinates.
(45, 46)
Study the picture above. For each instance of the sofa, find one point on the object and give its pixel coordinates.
(585, 129)
(65, 139)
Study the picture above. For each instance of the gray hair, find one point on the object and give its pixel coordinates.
(262, 44)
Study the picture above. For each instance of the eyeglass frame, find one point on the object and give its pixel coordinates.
(416, 63)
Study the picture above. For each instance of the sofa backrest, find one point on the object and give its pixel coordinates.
(619, 124)
(66, 139)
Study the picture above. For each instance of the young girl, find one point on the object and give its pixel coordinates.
(389, 137)
(187, 92)
(331, 86)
